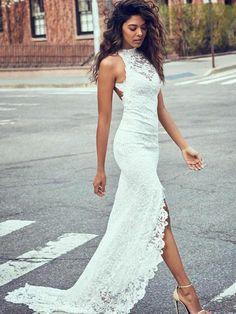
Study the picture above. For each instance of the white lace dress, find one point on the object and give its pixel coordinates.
(130, 250)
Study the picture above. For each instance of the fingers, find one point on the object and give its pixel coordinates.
(101, 191)
(99, 188)
(196, 165)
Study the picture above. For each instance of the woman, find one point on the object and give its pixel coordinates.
(138, 233)
(132, 65)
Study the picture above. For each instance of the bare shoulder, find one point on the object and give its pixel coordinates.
(108, 63)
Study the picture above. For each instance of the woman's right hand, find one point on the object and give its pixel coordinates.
(99, 183)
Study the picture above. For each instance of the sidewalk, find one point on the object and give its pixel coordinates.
(79, 77)
(201, 66)
(68, 77)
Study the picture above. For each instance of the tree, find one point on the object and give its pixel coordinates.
(15, 13)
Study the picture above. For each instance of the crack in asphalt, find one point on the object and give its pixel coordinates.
(200, 135)
(176, 176)
(204, 234)
(38, 159)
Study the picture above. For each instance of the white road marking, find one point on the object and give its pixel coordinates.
(11, 225)
(33, 259)
(203, 79)
(4, 122)
(229, 82)
(218, 79)
(221, 74)
(16, 95)
(49, 91)
(186, 82)
(7, 109)
(81, 91)
(226, 293)
(19, 104)
(7, 104)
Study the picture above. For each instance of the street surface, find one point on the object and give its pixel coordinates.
(51, 222)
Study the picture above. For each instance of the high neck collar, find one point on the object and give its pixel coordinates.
(128, 50)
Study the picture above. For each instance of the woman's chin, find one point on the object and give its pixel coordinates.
(137, 44)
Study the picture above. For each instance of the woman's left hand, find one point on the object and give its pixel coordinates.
(192, 158)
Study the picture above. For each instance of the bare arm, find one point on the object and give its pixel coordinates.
(191, 156)
(105, 87)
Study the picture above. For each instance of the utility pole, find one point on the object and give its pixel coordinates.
(210, 16)
(96, 26)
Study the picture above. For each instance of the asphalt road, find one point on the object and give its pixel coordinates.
(48, 161)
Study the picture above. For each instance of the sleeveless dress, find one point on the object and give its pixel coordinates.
(129, 253)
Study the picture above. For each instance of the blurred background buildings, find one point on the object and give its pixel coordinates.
(62, 33)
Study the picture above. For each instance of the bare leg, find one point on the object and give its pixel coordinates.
(172, 259)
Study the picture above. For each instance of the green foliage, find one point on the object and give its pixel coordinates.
(188, 28)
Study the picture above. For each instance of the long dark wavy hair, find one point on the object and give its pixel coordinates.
(153, 46)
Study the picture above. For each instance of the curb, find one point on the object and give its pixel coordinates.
(201, 56)
(88, 85)
(83, 68)
(219, 70)
(19, 86)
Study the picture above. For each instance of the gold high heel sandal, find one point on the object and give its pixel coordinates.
(176, 300)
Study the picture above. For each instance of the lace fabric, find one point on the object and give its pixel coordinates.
(127, 257)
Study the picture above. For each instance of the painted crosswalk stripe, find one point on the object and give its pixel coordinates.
(4, 122)
(229, 292)
(203, 79)
(11, 225)
(7, 109)
(218, 79)
(33, 259)
(79, 91)
(14, 96)
(187, 82)
(229, 82)
(19, 104)
(229, 72)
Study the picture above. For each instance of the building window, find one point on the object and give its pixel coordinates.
(189, 1)
(1, 25)
(164, 2)
(84, 17)
(38, 27)
(228, 2)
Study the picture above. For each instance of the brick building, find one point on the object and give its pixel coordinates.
(53, 32)
(47, 32)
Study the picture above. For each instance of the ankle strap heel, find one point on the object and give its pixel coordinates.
(179, 286)
(177, 300)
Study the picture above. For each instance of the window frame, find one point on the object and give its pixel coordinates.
(78, 19)
(32, 23)
(1, 19)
